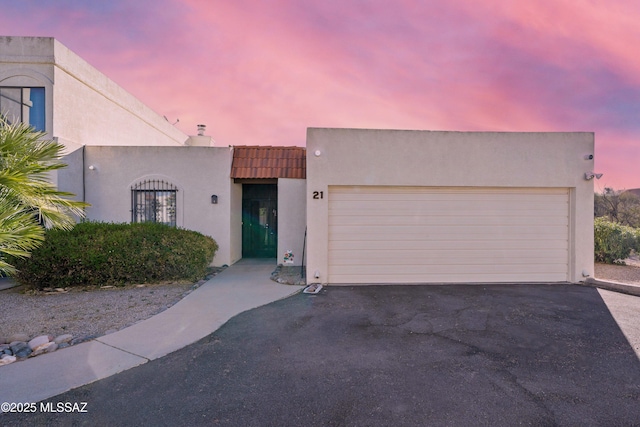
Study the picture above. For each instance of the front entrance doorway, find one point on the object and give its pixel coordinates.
(259, 220)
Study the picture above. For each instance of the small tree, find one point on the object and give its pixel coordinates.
(29, 202)
(618, 206)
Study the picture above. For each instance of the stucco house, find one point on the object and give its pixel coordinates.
(364, 206)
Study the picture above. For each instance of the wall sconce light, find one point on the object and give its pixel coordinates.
(590, 175)
(214, 199)
(92, 168)
(317, 153)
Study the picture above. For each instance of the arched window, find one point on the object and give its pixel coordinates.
(154, 201)
(24, 104)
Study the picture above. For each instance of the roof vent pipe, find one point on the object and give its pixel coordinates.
(201, 129)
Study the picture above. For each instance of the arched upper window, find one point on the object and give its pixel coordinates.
(154, 201)
(24, 104)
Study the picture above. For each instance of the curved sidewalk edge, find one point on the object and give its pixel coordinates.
(624, 288)
(239, 288)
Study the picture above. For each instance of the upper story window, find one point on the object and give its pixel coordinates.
(154, 201)
(23, 104)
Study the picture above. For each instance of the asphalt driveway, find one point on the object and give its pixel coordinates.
(396, 355)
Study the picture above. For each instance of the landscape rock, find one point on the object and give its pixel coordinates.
(44, 348)
(18, 337)
(38, 341)
(6, 359)
(80, 340)
(23, 352)
(63, 339)
(16, 346)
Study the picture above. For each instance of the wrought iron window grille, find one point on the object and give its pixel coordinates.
(154, 201)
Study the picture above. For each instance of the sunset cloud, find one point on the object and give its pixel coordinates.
(261, 72)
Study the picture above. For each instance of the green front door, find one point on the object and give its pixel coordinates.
(259, 221)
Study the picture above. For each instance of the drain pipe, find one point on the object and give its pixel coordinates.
(84, 184)
(304, 245)
(314, 288)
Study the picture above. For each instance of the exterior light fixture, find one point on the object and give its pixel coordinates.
(92, 168)
(317, 153)
(590, 175)
(214, 199)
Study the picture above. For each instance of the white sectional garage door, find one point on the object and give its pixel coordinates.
(446, 234)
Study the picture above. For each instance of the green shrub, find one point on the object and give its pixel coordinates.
(614, 242)
(95, 253)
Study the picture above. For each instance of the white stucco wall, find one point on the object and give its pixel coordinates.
(83, 106)
(236, 222)
(292, 217)
(70, 178)
(450, 159)
(198, 172)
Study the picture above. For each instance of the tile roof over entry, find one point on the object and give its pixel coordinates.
(269, 162)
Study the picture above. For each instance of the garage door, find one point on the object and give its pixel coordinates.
(444, 235)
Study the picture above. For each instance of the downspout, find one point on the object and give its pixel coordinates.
(304, 245)
(84, 184)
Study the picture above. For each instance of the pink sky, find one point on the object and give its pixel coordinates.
(260, 72)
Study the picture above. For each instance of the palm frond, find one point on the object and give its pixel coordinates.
(28, 199)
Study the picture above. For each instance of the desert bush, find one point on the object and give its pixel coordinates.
(614, 242)
(95, 253)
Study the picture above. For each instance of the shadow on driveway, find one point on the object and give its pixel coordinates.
(393, 355)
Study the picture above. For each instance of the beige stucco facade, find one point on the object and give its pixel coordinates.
(352, 157)
(292, 216)
(197, 172)
(104, 177)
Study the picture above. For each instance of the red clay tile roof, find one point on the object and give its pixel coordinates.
(269, 162)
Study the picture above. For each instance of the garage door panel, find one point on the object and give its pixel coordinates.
(463, 207)
(460, 245)
(440, 255)
(443, 193)
(477, 269)
(445, 276)
(391, 279)
(453, 219)
(462, 232)
(423, 234)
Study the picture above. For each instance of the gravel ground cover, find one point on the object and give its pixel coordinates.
(83, 313)
(88, 313)
(629, 273)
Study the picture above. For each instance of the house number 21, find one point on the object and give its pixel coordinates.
(318, 194)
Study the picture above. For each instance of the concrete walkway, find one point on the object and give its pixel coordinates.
(243, 286)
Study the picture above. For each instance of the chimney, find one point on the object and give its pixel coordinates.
(200, 140)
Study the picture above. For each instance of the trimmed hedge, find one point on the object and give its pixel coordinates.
(98, 254)
(614, 242)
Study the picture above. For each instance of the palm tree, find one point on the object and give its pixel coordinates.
(29, 202)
